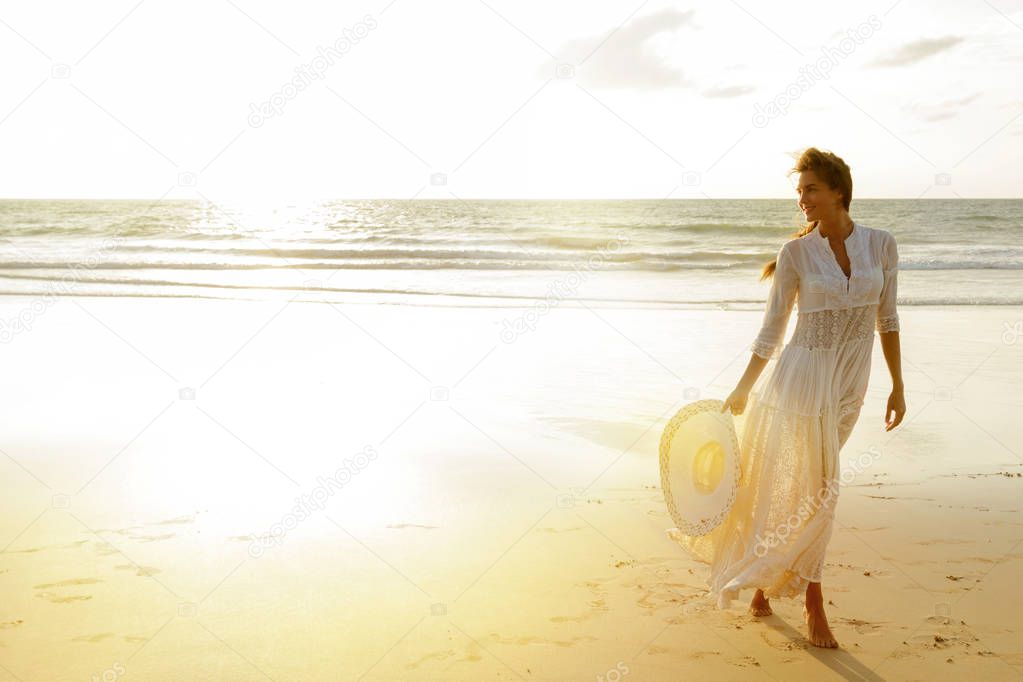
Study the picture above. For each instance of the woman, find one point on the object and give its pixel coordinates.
(844, 275)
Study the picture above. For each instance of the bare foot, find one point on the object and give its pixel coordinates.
(760, 606)
(818, 631)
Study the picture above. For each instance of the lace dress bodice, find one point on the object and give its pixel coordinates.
(808, 275)
(829, 329)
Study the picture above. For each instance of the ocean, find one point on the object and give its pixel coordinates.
(632, 253)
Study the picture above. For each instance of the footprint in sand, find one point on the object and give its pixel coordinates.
(176, 521)
(68, 583)
(433, 656)
(104, 548)
(136, 532)
(153, 538)
(944, 541)
(58, 598)
(473, 654)
(656, 593)
(654, 598)
(139, 570)
(782, 643)
(982, 559)
(699, 655)
(33, 550)
(599, 603)
(92, 639)
(745, 662)
(542, 641)
(941, 634)
(574, 619)
(944, 633)
(243, 538)
(875, 572)
(862, 627)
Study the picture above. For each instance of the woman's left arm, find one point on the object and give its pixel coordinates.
(887, 325)
(897, 399)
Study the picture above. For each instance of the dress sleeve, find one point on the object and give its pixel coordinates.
(779, 305)
(887, 314)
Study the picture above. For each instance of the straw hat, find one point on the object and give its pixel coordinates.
(700, 467)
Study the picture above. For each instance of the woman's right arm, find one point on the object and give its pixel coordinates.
(736, 401)
(777, 312)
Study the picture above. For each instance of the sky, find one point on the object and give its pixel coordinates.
(256, 101)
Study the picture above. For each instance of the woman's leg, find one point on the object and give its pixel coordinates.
(816, 619)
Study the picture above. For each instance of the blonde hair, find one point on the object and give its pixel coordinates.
(835, 173)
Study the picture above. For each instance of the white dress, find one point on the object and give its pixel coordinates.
(800, 413)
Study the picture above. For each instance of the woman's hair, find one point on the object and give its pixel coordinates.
(834, 172)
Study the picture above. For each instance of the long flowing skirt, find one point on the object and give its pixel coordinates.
(798, 416)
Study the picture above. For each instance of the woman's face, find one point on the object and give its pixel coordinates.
(816, 200)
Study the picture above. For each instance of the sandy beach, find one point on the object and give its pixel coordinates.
(338, 340)
(285, 490)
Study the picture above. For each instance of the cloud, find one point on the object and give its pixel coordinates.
(946, 109)
(938, 116)
(910, 53)
(623, 58)
(728, 91)
(960, 101)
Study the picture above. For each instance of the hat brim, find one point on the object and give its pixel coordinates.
(700, 468)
